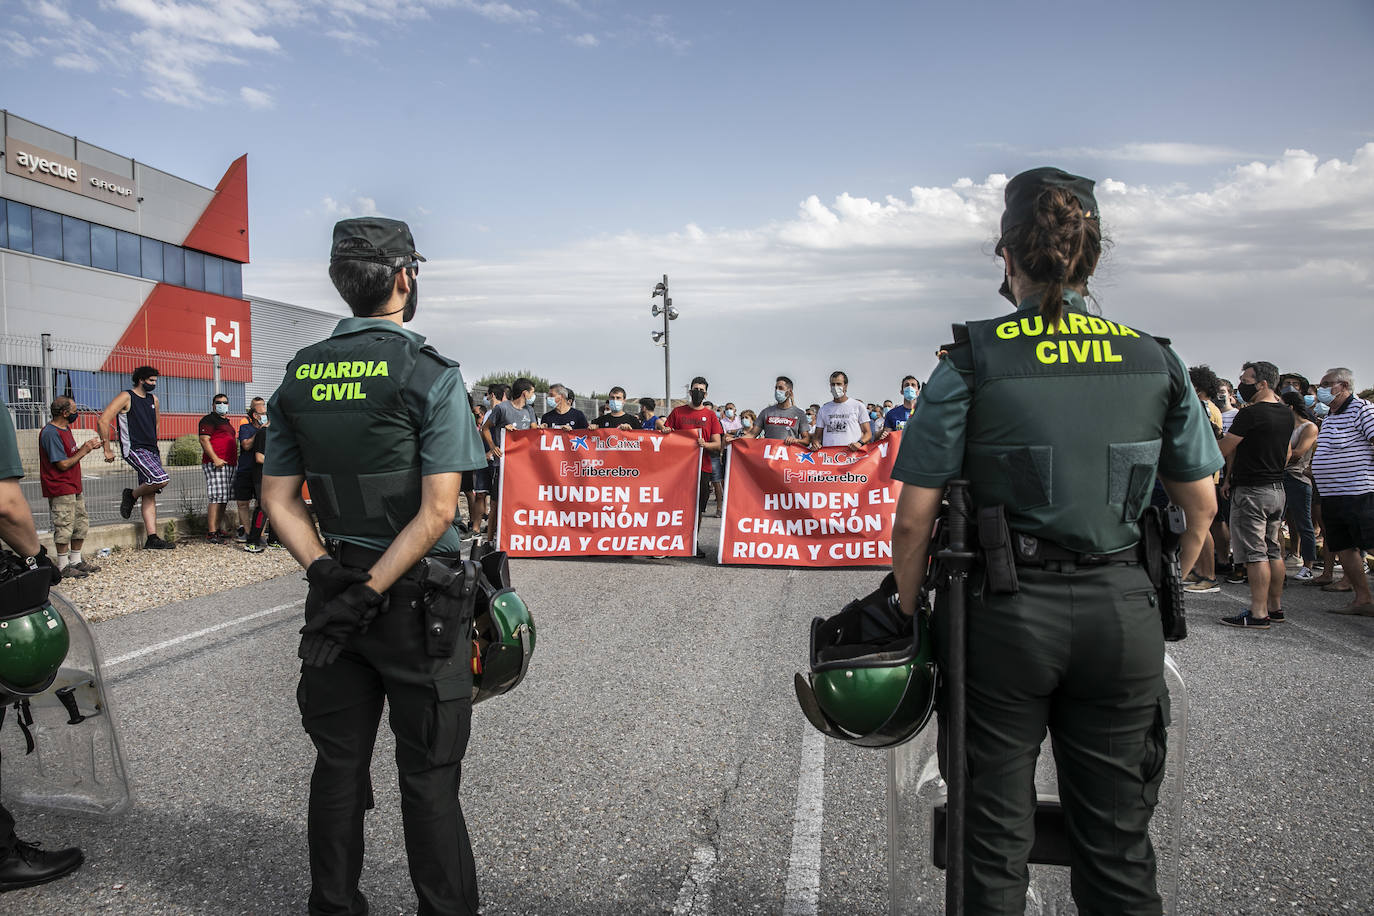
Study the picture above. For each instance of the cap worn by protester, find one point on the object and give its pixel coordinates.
(1023, 190)
(372, 238)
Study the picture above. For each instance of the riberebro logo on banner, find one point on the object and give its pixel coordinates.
(786, 506)
(599, 493)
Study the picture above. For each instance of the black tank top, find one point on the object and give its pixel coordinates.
(142, 421)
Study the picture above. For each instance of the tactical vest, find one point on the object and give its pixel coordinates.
(356, 402)
(1066, 423)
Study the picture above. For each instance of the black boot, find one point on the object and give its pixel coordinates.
(27, 865)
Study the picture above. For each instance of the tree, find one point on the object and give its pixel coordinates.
(508, 376)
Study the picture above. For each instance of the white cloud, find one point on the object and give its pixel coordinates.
(74, 61)
(358, 206)
(256, 98)
(585, 40)
(1271, 262)
(1162, 153)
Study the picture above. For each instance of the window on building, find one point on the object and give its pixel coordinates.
(233, 279)
(4, 224)
(152, 259)
(103, 248)
(214, 275)
(128, 247)
(21, 232)
(76, 240)
(195, 269)
(47, 234)
(174, 264)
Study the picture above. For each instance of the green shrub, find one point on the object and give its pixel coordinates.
(185, 452)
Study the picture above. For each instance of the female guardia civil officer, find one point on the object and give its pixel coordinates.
(1079, 648)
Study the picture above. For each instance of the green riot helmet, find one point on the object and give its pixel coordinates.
(872, 677)
(33, 644)
(502, 644)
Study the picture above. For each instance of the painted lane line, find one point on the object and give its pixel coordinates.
(803, 892)
(167, 644)
(694, 897)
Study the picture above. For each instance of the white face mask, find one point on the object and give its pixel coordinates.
(780, 395)
(729, 413)
(837, 390)
(221, 409)
(745, 422)
(616, 405)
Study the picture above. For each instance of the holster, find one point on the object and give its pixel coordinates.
(994, 543)
(449, 596)
(1160, 532)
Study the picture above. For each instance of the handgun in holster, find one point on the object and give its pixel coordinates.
(449, 597)
(994, 544)
(1161, 530)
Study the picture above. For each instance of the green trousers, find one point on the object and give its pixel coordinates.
(1078, 651)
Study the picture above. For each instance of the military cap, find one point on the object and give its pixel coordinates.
(372, 238)
(1022, 191)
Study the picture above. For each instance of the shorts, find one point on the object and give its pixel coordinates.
(1256, 520)
(1348, 522)
(494, 478)
(481, 480)
(717, 468)
(243, 485)
(69, 520)
(219, 482)
(147, 464)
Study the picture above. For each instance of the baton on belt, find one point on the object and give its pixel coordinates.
(957, 559)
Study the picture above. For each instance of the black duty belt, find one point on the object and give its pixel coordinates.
(356, 557)
(1038, 552)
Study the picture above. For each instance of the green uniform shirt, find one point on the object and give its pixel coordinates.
(448, 438)
(933, 449)
(10, 465)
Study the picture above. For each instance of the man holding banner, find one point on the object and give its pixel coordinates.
(704, 421)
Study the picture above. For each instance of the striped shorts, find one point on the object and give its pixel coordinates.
(219, 482)
(148, 465)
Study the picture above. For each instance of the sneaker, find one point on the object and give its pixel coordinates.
(1304, 574)
(1202, 586)
(71, 571)
(27, 865)
(1277, 616)
(1246, 622)
(254, 548)
(1238, 577)
(213, 538)
(86, 566)
(126, 503)
(276, 545)
(156, 543)
(1191, 578)
(241, 535)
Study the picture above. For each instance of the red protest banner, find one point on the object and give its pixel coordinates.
(599, 492)
(785, 506)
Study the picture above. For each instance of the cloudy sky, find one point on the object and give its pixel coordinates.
(821, 181)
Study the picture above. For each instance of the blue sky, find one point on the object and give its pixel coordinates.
(813, 176)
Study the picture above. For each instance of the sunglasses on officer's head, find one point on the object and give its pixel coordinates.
(413, 267)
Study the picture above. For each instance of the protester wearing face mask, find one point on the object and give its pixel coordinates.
(244, 492)
(131, 419)
(1343, 466)
(646, 419)
(219, 461)
(1226, 403)
(782, 421)
(703, 420)
(561, 414)
(615, 416)
(59, 473)
(748, 422)
(1297, 484)
(842, 420)
(898, 416)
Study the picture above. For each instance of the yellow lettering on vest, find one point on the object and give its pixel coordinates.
(1044, 351)
(331, 370)
(1097, 351)
(1063, 351)
(1007, 330)
(1078, 324)
(380, 369)
(359, 369)
(1107, 355)
(316, 370)
(1033, 327)
(317, 393)
(303, 371)
(1096, 325)
(1079, 355)
(1127, 332)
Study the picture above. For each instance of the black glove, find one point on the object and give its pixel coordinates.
(44, 561)
(882, 613)
(328, 578)
(329, 626)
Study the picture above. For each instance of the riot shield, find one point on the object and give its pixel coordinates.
(916, 799)
(76, 762)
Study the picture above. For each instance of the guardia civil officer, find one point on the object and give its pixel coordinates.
(378, 423)
(1079, 648)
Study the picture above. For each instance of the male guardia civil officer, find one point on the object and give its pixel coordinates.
(385, 500)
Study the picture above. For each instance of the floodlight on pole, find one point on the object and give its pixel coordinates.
(661, 337)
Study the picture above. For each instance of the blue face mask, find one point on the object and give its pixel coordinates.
(1325, 395)
(909, 393)
(873, 414)
(1309, 400)
(549, 402)
(1321, 410)
(616, 405)
(779, 394)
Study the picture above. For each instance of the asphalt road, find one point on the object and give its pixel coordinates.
(651, 763)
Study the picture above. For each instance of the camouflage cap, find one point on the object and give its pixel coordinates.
(1022, 191)
(372, 238)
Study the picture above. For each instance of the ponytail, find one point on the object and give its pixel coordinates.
(1057, 249)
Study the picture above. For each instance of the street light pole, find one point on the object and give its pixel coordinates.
(667, 374)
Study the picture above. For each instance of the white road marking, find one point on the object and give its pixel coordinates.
(694, 897)
(167, 644)
(804, 865)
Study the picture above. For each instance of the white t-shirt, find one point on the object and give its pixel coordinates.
(841, 423)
